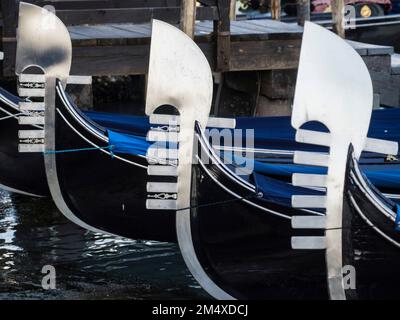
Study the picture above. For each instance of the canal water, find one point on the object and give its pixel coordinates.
(34, 234)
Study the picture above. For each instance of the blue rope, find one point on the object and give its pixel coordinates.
(79, 150)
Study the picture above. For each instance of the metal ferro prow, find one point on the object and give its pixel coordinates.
(334, 88)
(43, 41)
(179, 75)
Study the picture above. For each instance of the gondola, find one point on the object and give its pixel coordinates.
(103, 191)
(274, 144)
(252, 249)
(24, 173)
(100, 191)
(237, 232)
(20, 173)
(106, 190)
(82, 134)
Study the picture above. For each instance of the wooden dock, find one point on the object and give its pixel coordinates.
(112, 37)
(124, 48)
(115, 39)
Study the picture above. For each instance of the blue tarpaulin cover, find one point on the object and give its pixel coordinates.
(279, 192)
(270, 132)
(127, 144)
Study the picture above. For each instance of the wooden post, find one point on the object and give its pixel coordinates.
(232, 14)
(222, 32)
(188, 17)
(338, 17)
(303, 11)
(9, 10)
(276, 9)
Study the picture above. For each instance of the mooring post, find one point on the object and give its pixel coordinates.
(276, 9)
(188, 17)
(233, 10)
(338, 17)
(9, 9)
(222, 34)
(303, 11)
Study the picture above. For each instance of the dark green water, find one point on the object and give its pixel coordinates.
(88, 266)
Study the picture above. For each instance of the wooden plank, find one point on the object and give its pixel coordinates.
(133, 59)
(105, 4)
(118, 60)
(265, 55)
(132, 15)
(105, 32)
(143, 29)
(107, 60)
(246, 27)
(223, 36)
(245, 55)
(365, 49)
(277, 26)
(9, 12)
(101, 16)
(76, 34)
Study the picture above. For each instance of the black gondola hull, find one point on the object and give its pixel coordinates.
(102, 190)
(19, 172)
(247, 252)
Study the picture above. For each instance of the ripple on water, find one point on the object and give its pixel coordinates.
(33, 234)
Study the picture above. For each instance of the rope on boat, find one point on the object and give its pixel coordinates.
(80, 150)
(11, 116)
(250, 196)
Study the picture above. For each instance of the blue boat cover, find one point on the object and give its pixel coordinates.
(279, 192)
(269, 132)
(127, 144)
(382, 176)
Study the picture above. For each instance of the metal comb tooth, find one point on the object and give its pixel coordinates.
(311, 158)
(308, 243)
(309, 180)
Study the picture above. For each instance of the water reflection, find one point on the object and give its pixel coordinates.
(34, 234)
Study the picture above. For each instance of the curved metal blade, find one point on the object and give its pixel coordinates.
(333, 87)
(42, 41)
(179, 75)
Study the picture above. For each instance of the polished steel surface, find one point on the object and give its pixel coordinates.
(333, 87)
(42, 41)
(179, 75)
